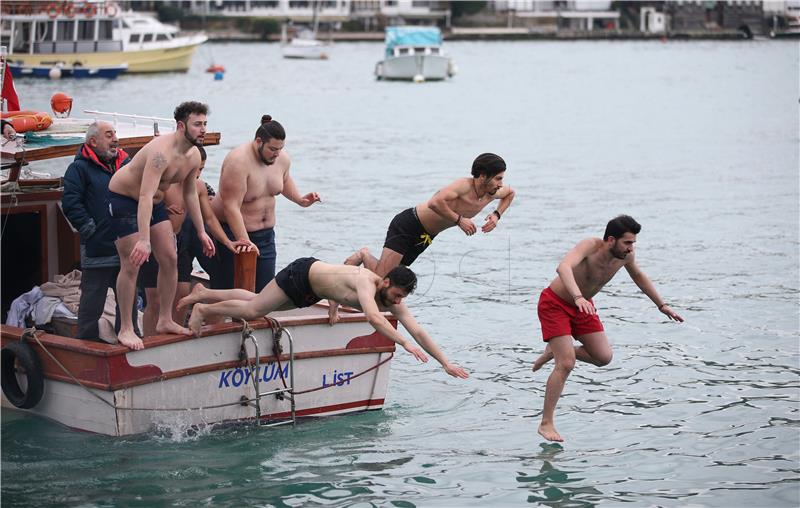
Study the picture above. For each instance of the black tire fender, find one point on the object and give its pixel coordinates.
(24, 354)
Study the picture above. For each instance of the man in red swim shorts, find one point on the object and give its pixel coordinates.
(566, 309)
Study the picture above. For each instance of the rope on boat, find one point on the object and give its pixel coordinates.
(276, 338)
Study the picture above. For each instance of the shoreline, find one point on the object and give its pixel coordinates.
(481, 34)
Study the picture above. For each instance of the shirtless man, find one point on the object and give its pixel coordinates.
(566, 309)
(412, 230)
(139, 217)
(307, 280)
(252, 175)
(184, 234)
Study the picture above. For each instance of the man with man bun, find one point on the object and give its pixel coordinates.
(252, 175)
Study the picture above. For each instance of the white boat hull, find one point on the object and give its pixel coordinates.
(307, 49)
(412, 67)
(183, 382)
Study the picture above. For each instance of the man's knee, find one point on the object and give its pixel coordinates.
(603, 359)
(565, 364)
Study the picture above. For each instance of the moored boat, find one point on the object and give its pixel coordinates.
(414, 53)
(291, 364)
(61, 71)
(91, 35)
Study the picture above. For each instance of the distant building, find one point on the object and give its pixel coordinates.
(370, 12)
(698, 15)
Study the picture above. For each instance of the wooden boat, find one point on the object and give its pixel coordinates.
(269, 371)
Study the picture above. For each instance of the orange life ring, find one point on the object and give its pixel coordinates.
(89, 10)
(24, 121)
(53, 10)
(69, 10)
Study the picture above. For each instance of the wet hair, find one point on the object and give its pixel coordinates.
(203, 154)
(488, 164)
(620, 225)
(187, 108)
(270, 129)
(402, 277)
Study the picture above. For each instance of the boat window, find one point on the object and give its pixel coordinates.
(105, 30)
(162, 37)
(298, 4)
(86, 30)
(148, 38)
(135, 38)
(66, 31)
(22, 37)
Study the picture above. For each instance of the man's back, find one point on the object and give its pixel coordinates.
(340, 282)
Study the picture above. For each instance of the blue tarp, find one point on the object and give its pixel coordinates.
(412, 36)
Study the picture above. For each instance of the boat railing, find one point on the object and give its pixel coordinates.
(50, 47)
(134, 119)
(287, 390)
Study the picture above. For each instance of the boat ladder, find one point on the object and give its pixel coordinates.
(255, 368)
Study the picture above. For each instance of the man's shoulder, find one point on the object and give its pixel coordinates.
(589, 245)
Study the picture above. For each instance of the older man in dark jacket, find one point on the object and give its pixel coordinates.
(84, 203)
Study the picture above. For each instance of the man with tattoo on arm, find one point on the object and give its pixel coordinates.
(139, 216)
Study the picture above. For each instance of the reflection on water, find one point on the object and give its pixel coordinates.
(693, 139)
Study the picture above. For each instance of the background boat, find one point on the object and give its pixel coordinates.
(414, 53)
(92, 34)
(63, 71)
(302, 42)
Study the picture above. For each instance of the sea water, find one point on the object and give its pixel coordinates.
(697, 140)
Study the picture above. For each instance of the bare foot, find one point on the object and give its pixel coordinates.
(549, 432)
(333, 312)
(195, 296)
(130, 339)
(196, 319)
(170, 326)
(544, 358)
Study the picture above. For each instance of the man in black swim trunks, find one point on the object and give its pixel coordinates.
(413, 230)
(306, 281)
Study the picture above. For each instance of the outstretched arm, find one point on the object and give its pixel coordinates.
(506, 196)
(440, 203)
(648, 288)
(292, 193)
(366, 297)
(405, 317)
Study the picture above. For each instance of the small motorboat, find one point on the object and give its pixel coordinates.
(414, 53)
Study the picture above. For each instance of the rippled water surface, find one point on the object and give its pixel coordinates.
(698, 141)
